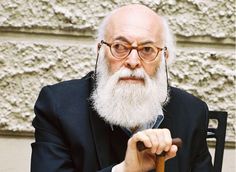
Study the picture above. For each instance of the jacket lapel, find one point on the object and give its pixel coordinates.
(100, 131)
(169, 119)
(119, 140)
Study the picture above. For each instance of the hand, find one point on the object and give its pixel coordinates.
(157, 140)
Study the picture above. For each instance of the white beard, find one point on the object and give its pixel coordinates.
(127, 104)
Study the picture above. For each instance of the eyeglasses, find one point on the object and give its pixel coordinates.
(146, 52)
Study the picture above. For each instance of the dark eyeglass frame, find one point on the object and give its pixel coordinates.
(130, 47)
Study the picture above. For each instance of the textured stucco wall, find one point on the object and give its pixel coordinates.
(46, 41)
(187, 17)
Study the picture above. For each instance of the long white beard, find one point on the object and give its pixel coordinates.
(127, 104)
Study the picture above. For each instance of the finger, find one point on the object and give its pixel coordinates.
(152, 134)
(139, 136)
(172, 152)
(165, 141)
(168, 140)
(161, 140)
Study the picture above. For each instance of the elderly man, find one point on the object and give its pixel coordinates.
(94, 124)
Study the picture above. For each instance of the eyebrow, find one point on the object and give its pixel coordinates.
(147, 42)
(122, 38)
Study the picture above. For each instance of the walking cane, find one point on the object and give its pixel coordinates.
(160, 159)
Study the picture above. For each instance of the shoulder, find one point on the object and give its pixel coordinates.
(63, 100)
(188, 111)
(69, 89)
(65, 95)
(187, 106)
(181, 96)
(72, 85)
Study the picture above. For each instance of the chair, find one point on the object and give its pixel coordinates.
(219, 134)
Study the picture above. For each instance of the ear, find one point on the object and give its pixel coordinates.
(166, 53)
(98, 47)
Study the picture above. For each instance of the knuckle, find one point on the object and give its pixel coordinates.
(130, 141)
(156, 130)
(162, 145)
(156, 143)
(148, 130)
(169, 142)
(166, 130)
(138, 134)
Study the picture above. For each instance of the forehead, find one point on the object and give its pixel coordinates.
(135, 25)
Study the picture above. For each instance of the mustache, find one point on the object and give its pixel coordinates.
(137, 73)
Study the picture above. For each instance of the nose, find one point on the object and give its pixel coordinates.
(133, 61)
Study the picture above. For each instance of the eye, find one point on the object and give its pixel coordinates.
(119, 47)
(119, 50)
(147, 50)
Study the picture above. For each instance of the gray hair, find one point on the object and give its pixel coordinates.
(102, 27)
(169, 41)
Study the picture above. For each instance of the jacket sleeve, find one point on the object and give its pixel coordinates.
(50, 151)
(202, 159)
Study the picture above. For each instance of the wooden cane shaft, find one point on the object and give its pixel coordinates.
(160, 164)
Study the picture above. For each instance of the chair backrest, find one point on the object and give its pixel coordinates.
(219, 134)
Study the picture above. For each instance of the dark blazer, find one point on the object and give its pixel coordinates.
(70, 136)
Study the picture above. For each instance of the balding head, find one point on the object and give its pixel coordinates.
(135, 21)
